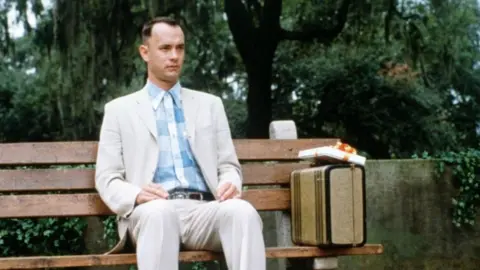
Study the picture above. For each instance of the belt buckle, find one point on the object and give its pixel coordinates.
(177, 195)
(186, 195)
(196, 196)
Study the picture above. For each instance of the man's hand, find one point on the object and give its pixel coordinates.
(151, 192)
(227, 191)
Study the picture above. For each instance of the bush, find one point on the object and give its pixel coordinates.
(44, 236)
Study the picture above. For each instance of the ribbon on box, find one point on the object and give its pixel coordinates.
(345, 148)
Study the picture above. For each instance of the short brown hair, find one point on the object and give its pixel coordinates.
(147, 27)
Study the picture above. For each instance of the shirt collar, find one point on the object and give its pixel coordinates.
(156, 94)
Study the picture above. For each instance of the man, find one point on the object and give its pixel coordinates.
(167, 166)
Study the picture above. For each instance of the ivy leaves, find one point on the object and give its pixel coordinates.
(466, 170)
(465, 166)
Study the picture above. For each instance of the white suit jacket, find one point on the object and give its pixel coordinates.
(128, 150)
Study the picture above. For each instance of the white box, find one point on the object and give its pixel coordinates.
(330, 152)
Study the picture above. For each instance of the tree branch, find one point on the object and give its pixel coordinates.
(241, 26)
(391, 13)
(322, 35)
(272, 10)
(405, 17)
(8, 43)
(388, 19)
(257, 8)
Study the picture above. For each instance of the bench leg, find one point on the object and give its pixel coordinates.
(314, 263)
(298, 264)
(325, 263)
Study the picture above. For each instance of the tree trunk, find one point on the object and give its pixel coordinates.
(259, 100)
(257, 45)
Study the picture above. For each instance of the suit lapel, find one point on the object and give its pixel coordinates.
(190, 107)
(145, 112)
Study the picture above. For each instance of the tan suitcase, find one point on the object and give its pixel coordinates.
(328, 205)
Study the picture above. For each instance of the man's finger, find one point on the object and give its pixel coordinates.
(151, 191)
(155, 185)
(146, 197)
(157, 191)
(222, 189)
(229, 193)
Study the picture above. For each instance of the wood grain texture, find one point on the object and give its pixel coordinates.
(47, 153)
(266, 149)
(83, 179)
(90, 204)
(46, 180)
(85, 152)
(187, 256)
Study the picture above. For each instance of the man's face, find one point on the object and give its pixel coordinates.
(164, 52)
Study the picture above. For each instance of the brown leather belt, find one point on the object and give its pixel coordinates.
(188, 194)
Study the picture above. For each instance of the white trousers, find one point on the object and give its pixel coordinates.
(159, 227)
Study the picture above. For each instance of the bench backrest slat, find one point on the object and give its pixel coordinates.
(90, 204)
(59, 153)
(83, 179)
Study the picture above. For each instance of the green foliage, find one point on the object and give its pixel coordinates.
(199, 266)
(465, 167)
(347, 96)
(390, 84)
(45, 236)
(438, 45)
(110, 231)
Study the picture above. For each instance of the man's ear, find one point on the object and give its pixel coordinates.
(143, 50)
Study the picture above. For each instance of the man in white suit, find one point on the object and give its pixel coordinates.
(166, 165)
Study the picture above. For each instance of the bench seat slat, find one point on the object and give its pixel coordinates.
(79, 152)
(83, 179)
(186, 256)
(90, 204)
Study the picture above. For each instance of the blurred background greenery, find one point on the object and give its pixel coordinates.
(392, 77)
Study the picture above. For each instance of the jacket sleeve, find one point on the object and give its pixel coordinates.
(229, 169)
(116, 193)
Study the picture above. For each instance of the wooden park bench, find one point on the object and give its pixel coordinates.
(267, 186)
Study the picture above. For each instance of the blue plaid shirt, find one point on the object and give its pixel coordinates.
(176, 165)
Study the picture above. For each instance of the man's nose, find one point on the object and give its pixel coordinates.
(173, 54)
